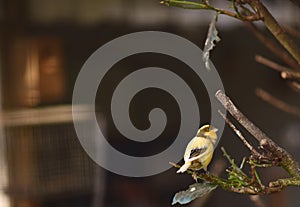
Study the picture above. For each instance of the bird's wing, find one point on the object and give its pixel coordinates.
(195, 153)
(194, 149)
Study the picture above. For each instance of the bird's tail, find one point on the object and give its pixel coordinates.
(184, 167)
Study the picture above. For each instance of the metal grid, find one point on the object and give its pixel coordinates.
(44, 157)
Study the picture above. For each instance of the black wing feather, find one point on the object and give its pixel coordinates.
(196, 152)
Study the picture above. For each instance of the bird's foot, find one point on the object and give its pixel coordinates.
(194, 176)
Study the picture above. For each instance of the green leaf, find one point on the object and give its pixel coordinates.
(212, 37)
(194, 191)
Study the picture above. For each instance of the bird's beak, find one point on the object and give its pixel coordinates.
(214, 129)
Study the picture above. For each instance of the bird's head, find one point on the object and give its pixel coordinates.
(208, 131)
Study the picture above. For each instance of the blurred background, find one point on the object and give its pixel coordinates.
(43, 45)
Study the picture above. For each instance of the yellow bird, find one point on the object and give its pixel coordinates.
(200, 149)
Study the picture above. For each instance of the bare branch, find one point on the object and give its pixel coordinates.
(272, 64)
(290, 76)
(295, 86)
(285, 182)
(241, 118)
(292, 31)
(286, 73)
(267, 97)
(272, 46)
(207, 6)
(257, 159)
(240, 135)
(286, 159)
(276, 29)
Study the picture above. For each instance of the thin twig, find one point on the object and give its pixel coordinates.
(272, 64)
(267, 97)
(256, 156)
(286, 73)
(241, 118)
(290, 76)
(292, 31)
(240, 135)
(295, 86)
(285, 182)
(272, 46)
(207, 6)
